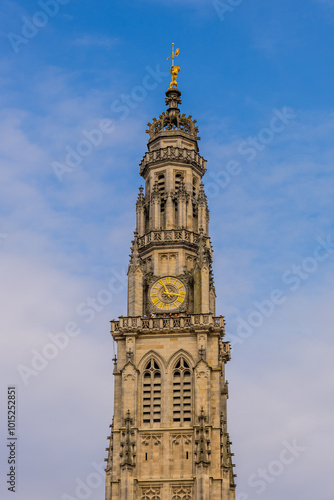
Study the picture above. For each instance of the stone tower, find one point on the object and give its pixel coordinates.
(169, 439)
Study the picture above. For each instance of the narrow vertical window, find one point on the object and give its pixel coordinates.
(161, 187)
(161, 183)
(178, 178)
(182, 392)
(152, 393)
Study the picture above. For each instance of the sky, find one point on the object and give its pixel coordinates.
(79, 82)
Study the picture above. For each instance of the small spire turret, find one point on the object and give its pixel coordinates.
(141, 197)
(140, 212)
(127, 453)
(202, 441)
(202, 200)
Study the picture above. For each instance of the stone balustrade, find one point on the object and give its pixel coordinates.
(168, 235)
(174, 153)
(161, 322)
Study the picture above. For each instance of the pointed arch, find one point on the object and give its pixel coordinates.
(152, 354)
(181, 369)
(173, 359)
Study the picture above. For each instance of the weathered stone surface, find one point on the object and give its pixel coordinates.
(169, 437)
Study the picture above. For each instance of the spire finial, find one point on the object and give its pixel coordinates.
(174, 70)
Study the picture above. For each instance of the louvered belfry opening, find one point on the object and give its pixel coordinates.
(152, 393)
(182, 392)
(178, 179)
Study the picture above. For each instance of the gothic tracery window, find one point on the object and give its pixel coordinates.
(182, 392)
(152, 393)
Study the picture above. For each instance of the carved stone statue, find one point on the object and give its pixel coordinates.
(174, 71)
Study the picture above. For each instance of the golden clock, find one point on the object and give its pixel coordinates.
(168, 293)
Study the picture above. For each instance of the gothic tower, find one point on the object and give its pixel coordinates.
(169, 439)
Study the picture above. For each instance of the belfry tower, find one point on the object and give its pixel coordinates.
(169, 438)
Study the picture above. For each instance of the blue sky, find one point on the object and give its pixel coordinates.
(258, 77)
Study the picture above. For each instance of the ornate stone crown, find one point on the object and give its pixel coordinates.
(172, 120)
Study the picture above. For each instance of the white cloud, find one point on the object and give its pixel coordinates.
(98, 40)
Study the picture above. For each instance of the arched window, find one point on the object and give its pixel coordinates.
(182, 392)
(152, 393)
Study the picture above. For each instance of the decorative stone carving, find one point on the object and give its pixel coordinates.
(202, 370)
(172, 119)
(202, 374)
(150, 493)
(180, 492)
(147, 438)
(129, 372)
(176, 439)
(130, 343)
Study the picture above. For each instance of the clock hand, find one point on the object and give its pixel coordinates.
(166, 290)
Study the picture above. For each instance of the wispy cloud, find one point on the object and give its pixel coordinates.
(95, 41)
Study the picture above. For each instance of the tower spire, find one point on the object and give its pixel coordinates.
(169, 438)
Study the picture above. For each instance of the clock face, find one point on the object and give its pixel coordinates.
(168, 293)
